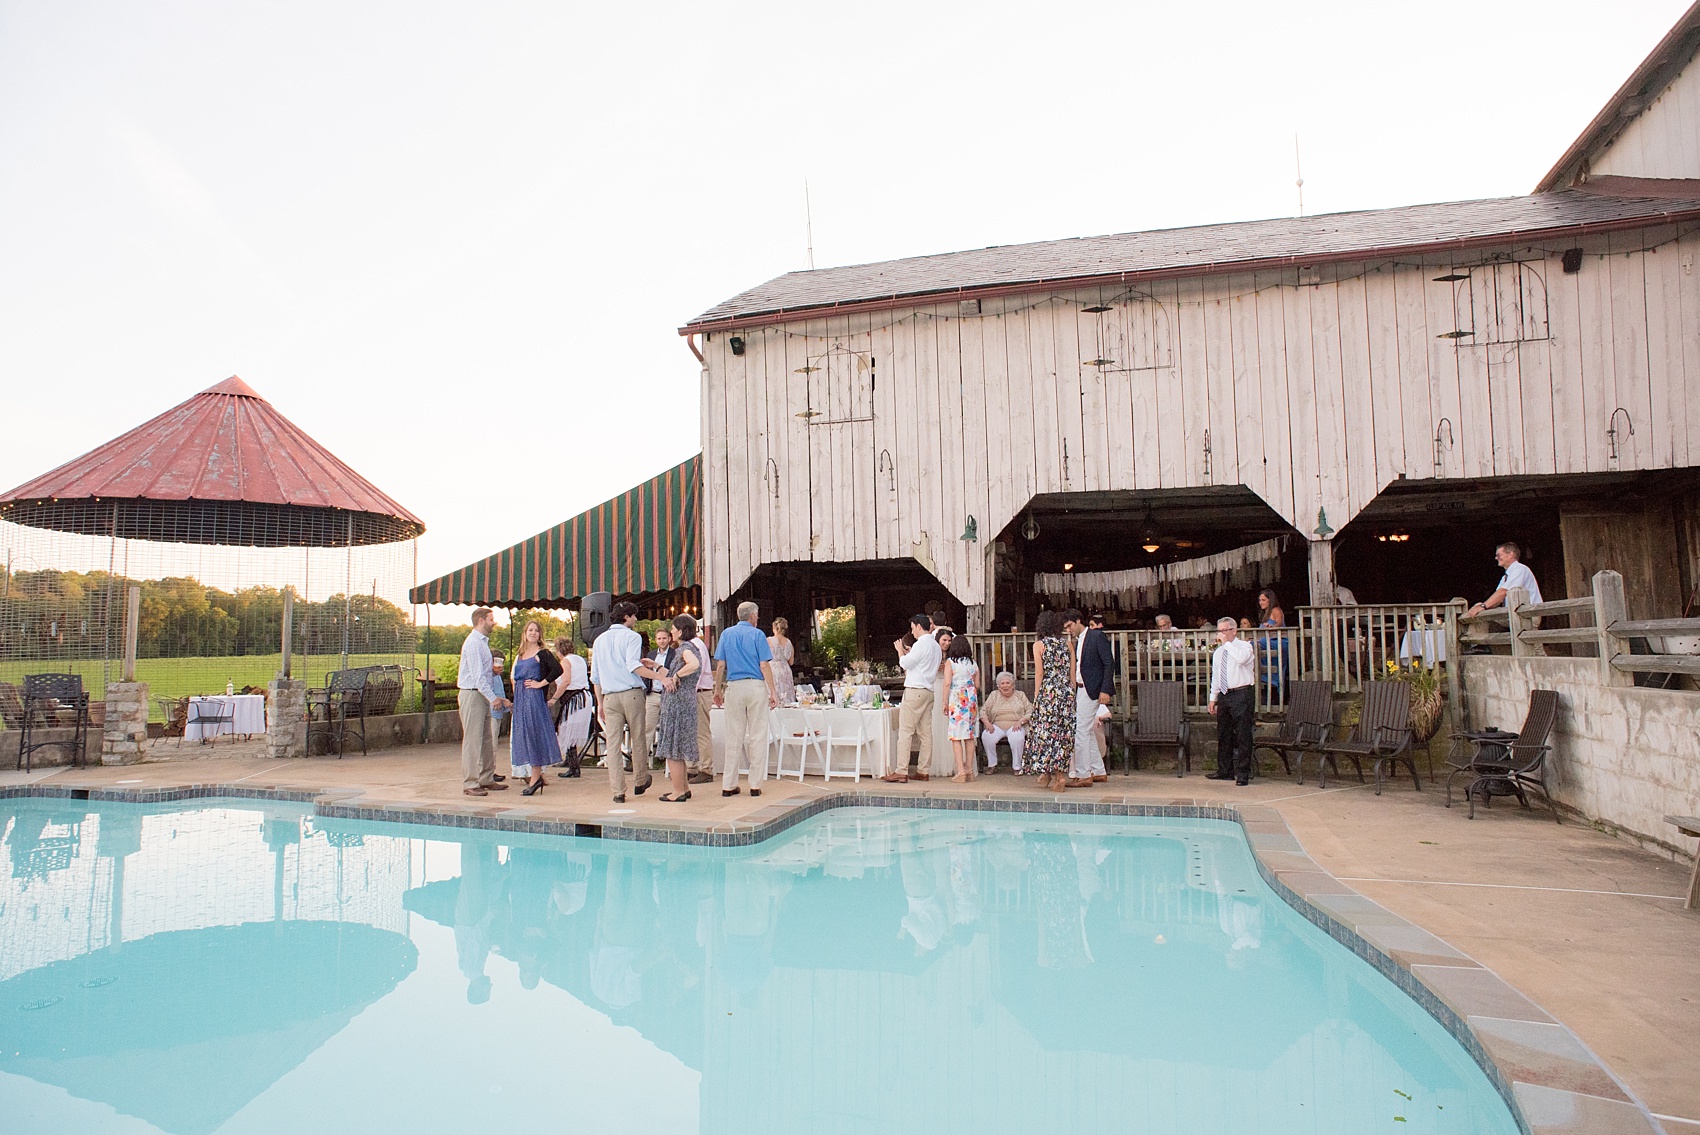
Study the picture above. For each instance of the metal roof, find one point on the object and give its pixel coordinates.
(1204, 249)
(1644, 85)
(641, 543)
(223, 467)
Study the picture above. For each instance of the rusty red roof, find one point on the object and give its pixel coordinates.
(226, 446)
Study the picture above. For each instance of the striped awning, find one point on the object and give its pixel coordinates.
(642, 544)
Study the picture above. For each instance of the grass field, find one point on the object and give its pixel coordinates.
(175, 678)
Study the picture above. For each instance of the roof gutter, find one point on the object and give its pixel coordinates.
(1210, 268)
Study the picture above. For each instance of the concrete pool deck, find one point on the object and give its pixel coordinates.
(1589, 928)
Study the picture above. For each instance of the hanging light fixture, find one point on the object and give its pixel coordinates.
(1030, 528)
(1148, 540)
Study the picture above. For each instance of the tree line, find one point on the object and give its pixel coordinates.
(58, 614)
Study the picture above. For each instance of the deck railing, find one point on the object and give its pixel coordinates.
(1598, 623)
(1345, 645)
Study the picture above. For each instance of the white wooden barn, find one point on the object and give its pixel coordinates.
(1393, 391)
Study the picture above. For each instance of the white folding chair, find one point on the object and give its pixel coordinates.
(847, 728)
(796, 732)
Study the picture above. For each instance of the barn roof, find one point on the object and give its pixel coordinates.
(223, 467)
(1200, 250)
(1644, 85)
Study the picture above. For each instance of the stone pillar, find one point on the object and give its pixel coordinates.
(125, 741)
(286, 727)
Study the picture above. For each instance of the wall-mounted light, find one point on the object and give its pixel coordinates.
(1068, 567)
(971, 530)
(1097, 308)
(1443, 440)
(1572, 261)
(737, 345)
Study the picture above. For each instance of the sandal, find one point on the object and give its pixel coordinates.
(669, 798)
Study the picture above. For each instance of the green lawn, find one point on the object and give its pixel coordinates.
(185, 677)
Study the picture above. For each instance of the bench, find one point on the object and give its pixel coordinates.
(1689, 826)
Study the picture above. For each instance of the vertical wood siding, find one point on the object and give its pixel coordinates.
(1317, 389)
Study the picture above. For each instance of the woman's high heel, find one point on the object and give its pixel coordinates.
(532, 789)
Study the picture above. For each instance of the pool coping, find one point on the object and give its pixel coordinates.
(1550, 1080)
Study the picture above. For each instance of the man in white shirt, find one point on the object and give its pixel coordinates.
(1233, 702)
(915, 715)
(616, 674)
(1517, 574)
(480, 691)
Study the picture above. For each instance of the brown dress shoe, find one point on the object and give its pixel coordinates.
(1078, 782)
(919, 776)
(895, 778)
(495, 788)
(1099, 779)
(475, 792)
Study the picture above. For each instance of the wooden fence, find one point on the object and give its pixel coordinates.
(1598, 623)
(1345, 645)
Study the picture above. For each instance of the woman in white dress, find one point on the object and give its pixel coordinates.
(783, 655)
(573, 705)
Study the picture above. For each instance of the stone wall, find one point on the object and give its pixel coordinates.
(126, 734)
(395, 731)
(286, 718)
(1623, 755)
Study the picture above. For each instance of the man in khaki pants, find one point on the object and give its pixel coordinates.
(743, 683)
(479, 690)
(617, 670)
(915, 715)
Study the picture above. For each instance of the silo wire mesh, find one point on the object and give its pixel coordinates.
(211, 613)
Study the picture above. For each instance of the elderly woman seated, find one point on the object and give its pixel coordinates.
(1003, 716)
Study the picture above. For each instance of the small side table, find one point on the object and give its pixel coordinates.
(1690, 826)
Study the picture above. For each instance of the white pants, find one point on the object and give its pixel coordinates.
(990, 735)
(1088, 761)
(746, 732)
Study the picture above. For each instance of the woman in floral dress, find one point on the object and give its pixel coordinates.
(963, 706)
(1050, 733)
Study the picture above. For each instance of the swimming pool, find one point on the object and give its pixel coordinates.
(246, 966)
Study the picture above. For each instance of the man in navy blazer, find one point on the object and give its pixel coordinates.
(1094, 677)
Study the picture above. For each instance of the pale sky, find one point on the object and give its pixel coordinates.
(454, 242)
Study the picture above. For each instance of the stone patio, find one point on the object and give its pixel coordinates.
(1590, 928)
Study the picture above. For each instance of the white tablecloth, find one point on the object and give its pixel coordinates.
(1429, 645)
(248, 715)
(882, 736)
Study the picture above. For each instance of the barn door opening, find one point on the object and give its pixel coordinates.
(842, 461)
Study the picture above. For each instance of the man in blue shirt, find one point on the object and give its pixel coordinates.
(743, 683)
(480, 692)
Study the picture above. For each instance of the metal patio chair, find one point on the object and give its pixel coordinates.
(1161, 721)
(47, 698)
(1310, 714)
(331, 709)
(1383, 735)
(1504, 764)
(209, 716)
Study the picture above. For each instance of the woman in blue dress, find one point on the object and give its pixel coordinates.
(533, 747)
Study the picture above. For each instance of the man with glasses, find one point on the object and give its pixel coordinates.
(1233, 702)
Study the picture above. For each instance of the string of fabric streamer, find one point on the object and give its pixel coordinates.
(1238, 569)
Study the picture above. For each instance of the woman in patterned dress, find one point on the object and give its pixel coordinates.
(779, 644)
(963, 706)
(1050, 734)
(677, 733)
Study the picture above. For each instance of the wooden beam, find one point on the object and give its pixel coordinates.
(1577, 634)
(1583, 606)
(1626, 664)
(1322, 592)
(1515, 599)
(1609, 608)
(1645, 627)
(132, 626)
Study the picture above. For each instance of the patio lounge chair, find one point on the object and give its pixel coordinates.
(1383, 735)
(1504, 764)
(1161, 721)
(1310, 713)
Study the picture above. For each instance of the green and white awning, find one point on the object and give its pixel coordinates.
(643, 545)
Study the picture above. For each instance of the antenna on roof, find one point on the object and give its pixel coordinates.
(1299, 168)
(808, 229)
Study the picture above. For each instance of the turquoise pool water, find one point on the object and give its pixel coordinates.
(243, 966)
